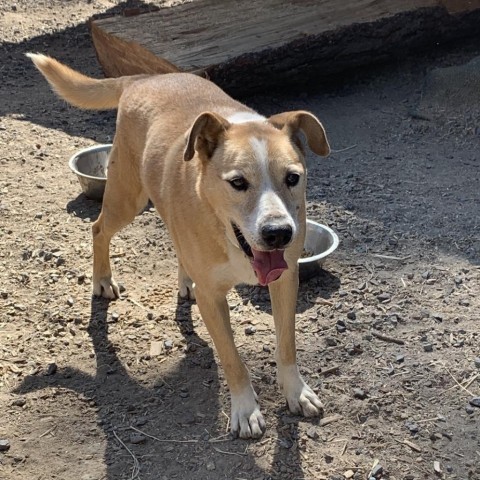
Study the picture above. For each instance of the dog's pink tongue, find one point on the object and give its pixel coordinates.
(268, 266)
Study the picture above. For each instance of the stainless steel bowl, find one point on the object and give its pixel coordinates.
(90, 166)
(321, 241)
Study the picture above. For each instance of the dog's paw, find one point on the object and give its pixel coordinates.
(301, 399)
(106, 287)
(185, 286)
(247, 420)
(186, 291)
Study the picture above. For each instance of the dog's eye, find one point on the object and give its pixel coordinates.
(292, 179)
(239, 183)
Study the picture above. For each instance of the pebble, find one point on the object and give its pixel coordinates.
(70, 302)
(137, 438)
(359, 393)
(400, 358)
(312, 433)
(412, 427)
(383, 297)
(351, 315)
(376, 471)
(19, 402)
(341, 327)
(477, 362)
(469, 409)
(331, 342)
(475, 402)
(211, 465)
(51, 369)
(4, 445)
(168, 344)
(250, 330)
(428, 347)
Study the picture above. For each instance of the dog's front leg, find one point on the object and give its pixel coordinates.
(300, 397)
(246, 418)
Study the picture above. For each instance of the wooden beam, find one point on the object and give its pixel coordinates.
(257, 44)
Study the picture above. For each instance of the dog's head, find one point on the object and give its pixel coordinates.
(253, 174)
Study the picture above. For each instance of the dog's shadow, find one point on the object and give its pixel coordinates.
(181, 406)
(323, 285)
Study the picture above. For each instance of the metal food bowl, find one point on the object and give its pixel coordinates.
(321, 241)
(90, 166)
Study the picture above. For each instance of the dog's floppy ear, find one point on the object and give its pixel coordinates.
(292, 122)
(204, 135)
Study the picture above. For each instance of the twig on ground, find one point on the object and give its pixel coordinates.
(327, 420)
(50, 430)
(329, 370)
(163, 440)
(229, 453)
(410, 444)
(390, 257)
(387, 338)
(343, 149)
(136, 463)
(458, 383)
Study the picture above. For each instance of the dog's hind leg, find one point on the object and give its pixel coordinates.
(300, 397)
(124, 197)
(185, 284)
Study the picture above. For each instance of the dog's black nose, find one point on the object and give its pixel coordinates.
(277, 236)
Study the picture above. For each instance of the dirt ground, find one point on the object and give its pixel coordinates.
(93, 390)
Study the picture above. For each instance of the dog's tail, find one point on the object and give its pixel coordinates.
(78, 89)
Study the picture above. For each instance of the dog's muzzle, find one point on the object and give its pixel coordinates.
(268, 265)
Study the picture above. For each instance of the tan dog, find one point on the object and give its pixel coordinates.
(230, 186)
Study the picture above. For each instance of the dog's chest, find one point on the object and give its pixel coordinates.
(237, 270)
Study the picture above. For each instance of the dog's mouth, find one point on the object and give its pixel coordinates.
(267, 265)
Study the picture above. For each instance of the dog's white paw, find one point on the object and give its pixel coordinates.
(185, 285)
(106, 287)
(247, 420)
(301, 399)
(186, 291)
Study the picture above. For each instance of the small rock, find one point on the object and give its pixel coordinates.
(210, 466)
(137, 438)
(168, 344)
(150, 316)
(359, 393)
(331, 342)
(475, 402)
(477, 362)
(267, 349)
(4, 445)
(383, 297)
(349, 474)
(70, 302)
(140, 421)
(400, 358)
(51, 369)
(156, 349)
(412, 427)
(341, 327)
(115, 316)
(312, 433)
(250, 330)
(19, 402)
(437, 316)
(351, 315)
(377, 470)
(428, 347)
(469, 409)
(464, 302)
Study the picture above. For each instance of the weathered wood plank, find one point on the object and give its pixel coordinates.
(243, 45)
